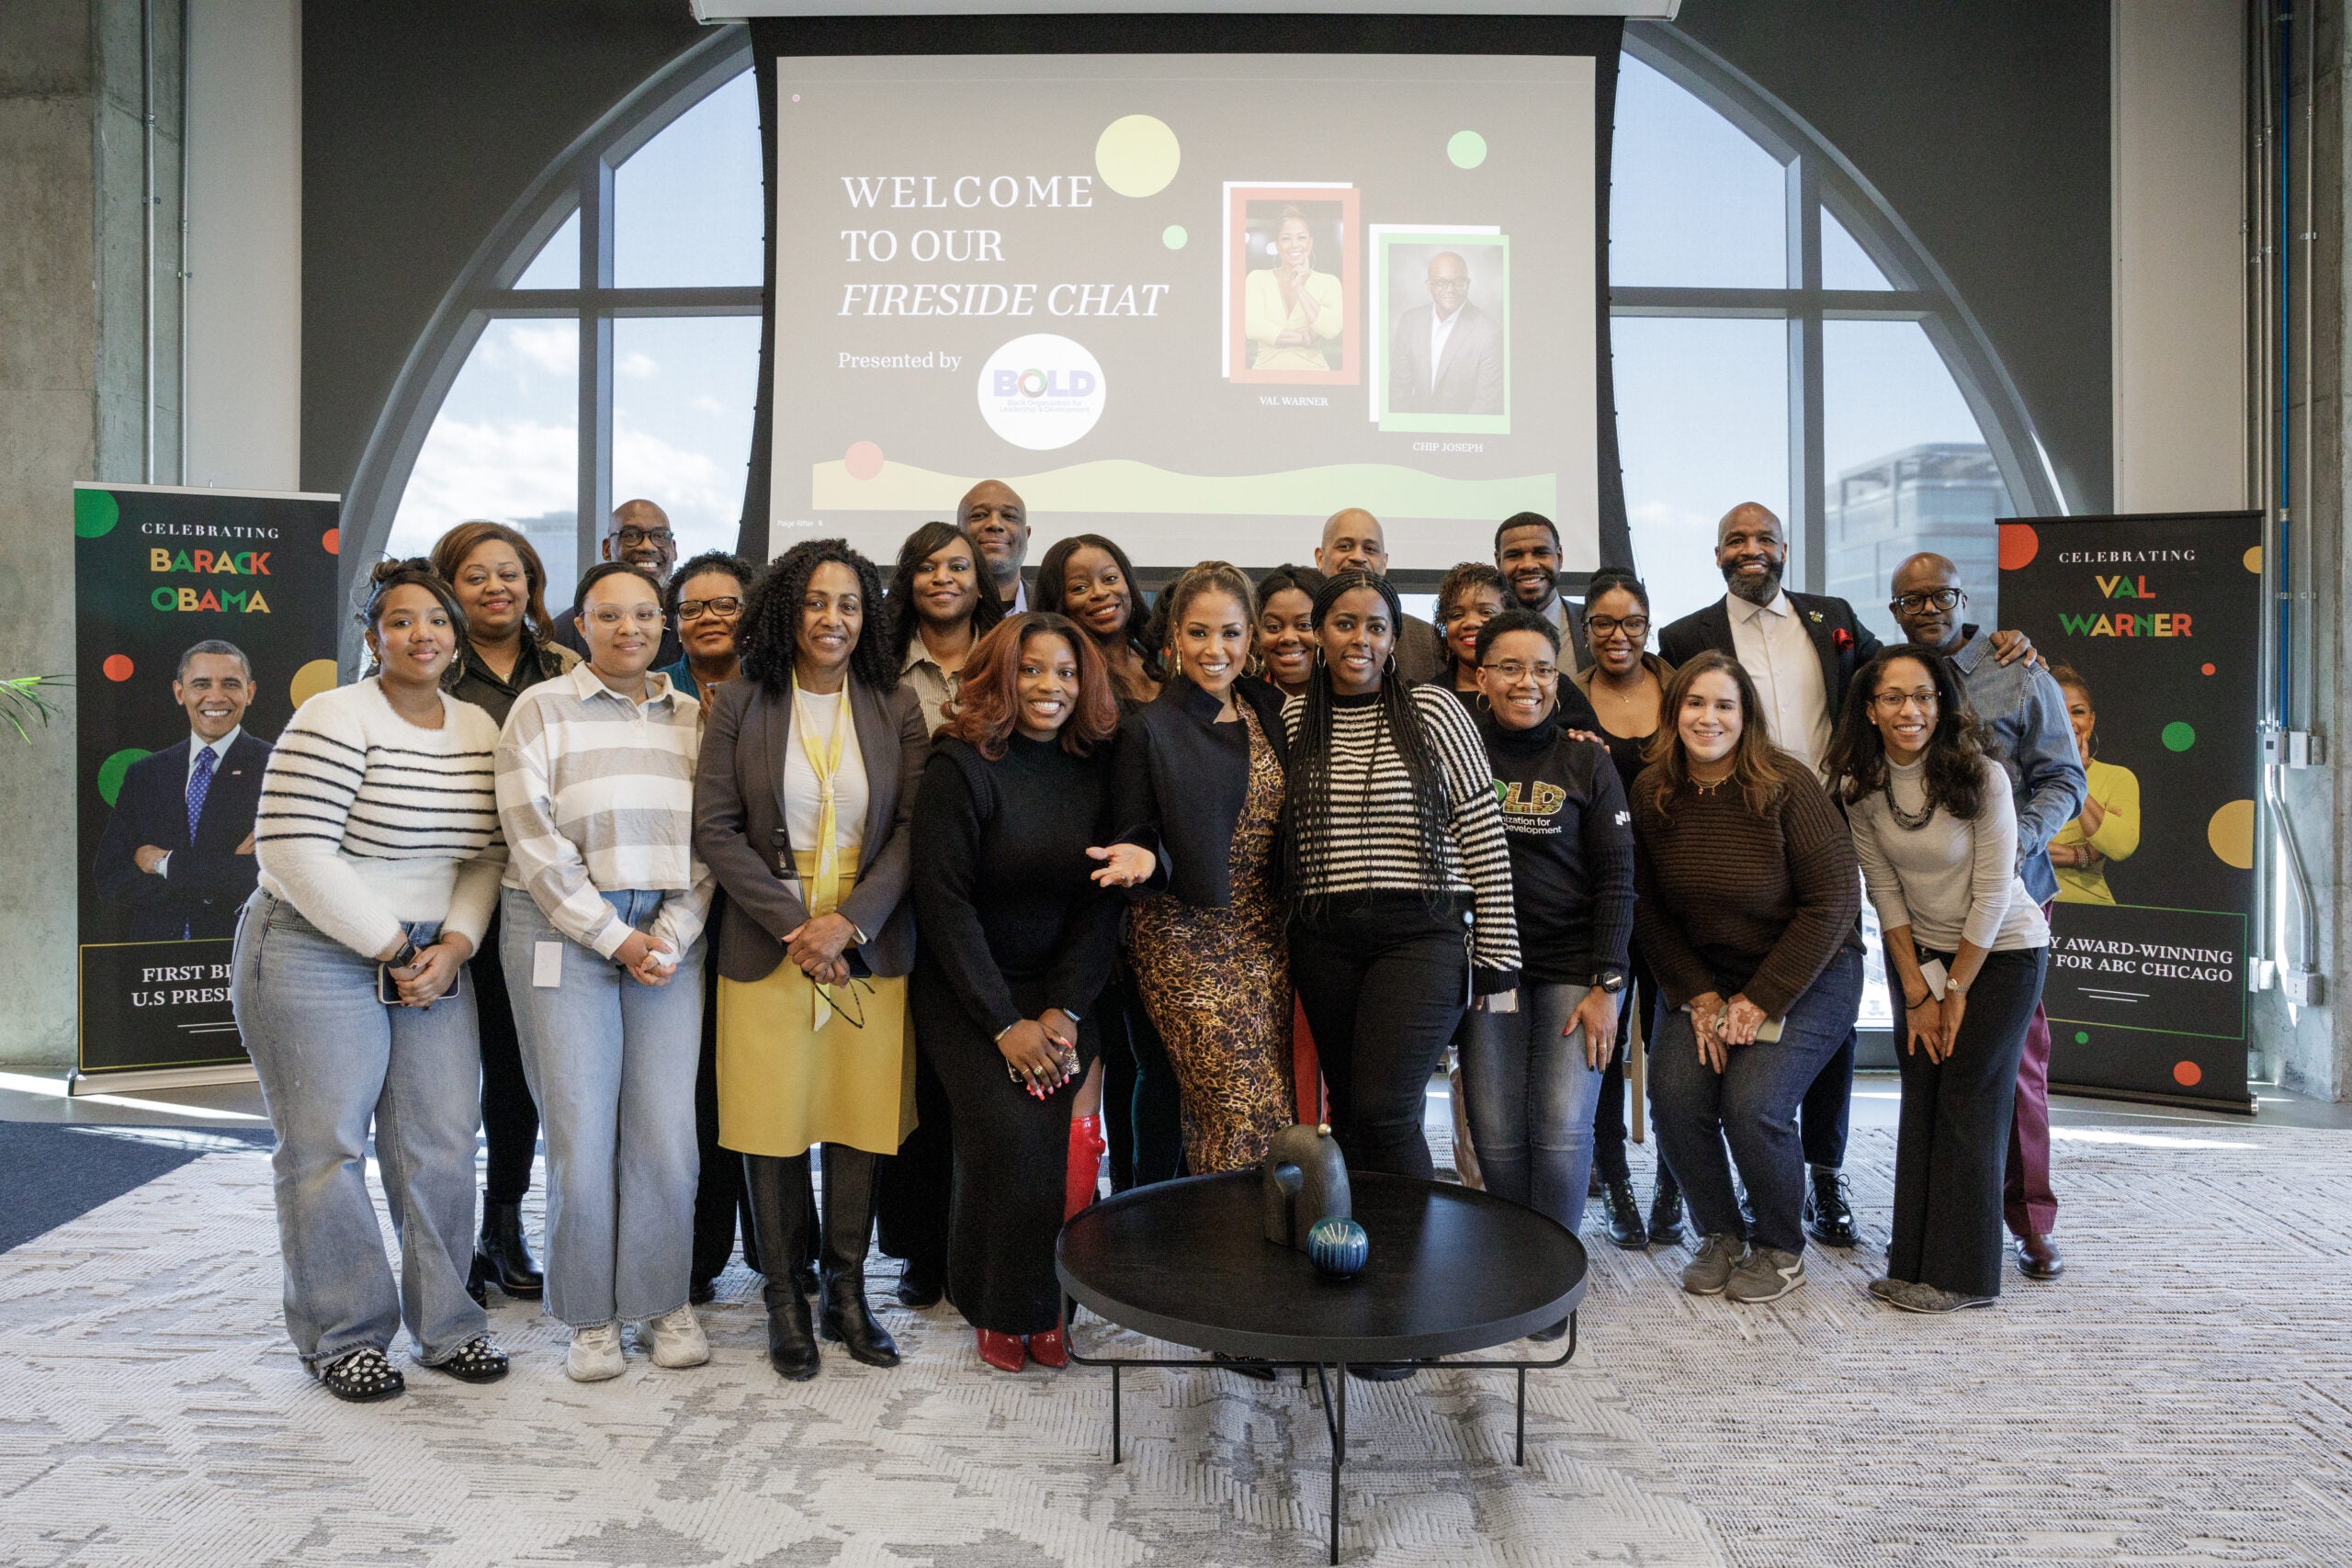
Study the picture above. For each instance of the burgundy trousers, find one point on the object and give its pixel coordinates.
(2027, 1203)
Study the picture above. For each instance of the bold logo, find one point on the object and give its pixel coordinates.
(1542, 800)
(1041, 392)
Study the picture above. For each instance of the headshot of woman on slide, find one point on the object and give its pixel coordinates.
(1289, 309)
(2108, 827)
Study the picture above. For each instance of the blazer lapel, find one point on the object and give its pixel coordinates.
(778, 721)
(1714, 625)
(876, 739)
(1815, 621)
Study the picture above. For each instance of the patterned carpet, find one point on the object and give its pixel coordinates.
(2181, 1398)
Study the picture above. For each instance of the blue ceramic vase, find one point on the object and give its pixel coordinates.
(1338, 1248)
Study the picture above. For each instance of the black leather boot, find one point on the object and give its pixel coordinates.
(1625, 1228)
(849, 1228)
(502, 1257)
(1829, 1210)
(779, 1214)
(1666, 1209)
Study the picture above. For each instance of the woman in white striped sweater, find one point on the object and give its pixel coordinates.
(604, 900)
(1398, 870)
(379, 858)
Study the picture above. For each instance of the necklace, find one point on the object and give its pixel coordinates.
(1904, 819)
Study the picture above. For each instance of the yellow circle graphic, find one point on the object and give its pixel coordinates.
(2231, 832)
(1137, 155)
(318, 675)
(2253, 558)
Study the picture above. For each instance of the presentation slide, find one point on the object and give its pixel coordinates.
(1194, 302)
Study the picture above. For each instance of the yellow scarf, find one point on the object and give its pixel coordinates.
(824, 888)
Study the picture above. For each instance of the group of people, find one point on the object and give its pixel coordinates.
(970, 877)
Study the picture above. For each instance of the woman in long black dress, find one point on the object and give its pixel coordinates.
(1019, 919)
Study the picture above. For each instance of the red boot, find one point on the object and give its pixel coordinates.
(1002, 1351)
(1050, 1349)
(1086, 1149)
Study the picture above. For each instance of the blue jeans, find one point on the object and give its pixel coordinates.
(611, 1062)
(1529, 1097)
(1752, 1106)
(332, 1059)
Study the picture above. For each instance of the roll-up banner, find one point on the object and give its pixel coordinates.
(203, 618)
(2152, 626)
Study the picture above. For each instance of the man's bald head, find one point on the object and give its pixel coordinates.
(992, 513)
(1353, 541)
(1751, 552)
(1449, 282)
(1920, 583)
(640, 533)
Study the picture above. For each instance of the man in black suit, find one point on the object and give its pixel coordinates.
(1353, 541)
(1802, 651)
(1446, 357)
(178, 855)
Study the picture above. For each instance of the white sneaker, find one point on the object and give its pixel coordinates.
(677, 1338)
(595, 1354)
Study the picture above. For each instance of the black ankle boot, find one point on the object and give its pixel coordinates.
(1665, 1210)
(779, 1215)
(1625, 1228)
(921, 1283)
(502, 1257)
(1829, 1210)
(849, 1227)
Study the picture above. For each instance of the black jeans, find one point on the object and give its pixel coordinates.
(510, 1117)
(1384, 981)
(1828, 1108)
(1143, 1107)
(1608, 1129)
(1952, 1154)
(719, 1195)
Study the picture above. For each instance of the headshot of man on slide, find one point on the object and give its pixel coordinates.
(1446, 357)
(993, 515)
(1353, 541)
(176, 859)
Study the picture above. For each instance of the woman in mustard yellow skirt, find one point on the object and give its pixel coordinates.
(807, 782)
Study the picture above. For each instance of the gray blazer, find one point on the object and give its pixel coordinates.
(739, 831)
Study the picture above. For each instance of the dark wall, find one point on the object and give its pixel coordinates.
(1985, 124)
(423, 122)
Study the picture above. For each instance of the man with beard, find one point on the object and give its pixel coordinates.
(2027, 713)
(1802, 651)
(640, 535)
(999, 524)
(1527, 552)
(1353, 541)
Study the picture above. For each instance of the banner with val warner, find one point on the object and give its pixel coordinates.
(2151, 627)
(202, 619)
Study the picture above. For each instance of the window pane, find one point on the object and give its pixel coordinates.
(682, 421)
(557, 264)
(1844, 263)
(1702, 423)
(505, 446)
(1907, 468)
(1691, 200)
(688, 202)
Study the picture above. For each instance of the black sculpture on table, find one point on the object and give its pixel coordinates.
(1304, 1178)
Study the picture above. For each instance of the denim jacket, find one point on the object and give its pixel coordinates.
(2027, 713)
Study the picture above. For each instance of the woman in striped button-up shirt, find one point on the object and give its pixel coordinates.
(604, 900)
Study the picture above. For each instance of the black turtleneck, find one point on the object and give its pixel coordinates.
(1571, 850)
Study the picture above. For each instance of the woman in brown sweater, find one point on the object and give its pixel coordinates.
(1746, 896)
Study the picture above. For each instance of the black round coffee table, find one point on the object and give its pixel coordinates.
(1452, 1270)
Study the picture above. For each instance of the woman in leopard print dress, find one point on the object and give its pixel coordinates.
(1200, 783)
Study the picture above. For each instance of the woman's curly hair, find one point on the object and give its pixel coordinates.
(769, 635)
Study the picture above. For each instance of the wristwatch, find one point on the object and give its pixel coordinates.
(1609, 980)
(1955, 986)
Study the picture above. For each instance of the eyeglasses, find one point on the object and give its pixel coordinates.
(609, 616)
(1451, 285)
(646, 537)
(844, 1000)
(1941, 598)
(1606, 626)
(695, 609)
(1896, 702)
(1514, 671)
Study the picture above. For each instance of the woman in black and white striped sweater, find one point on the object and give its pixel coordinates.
(1397, 871)
(379, 856)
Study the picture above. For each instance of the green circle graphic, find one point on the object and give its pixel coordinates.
(95, 512)
(110, 771)
(1466, 148)
(2179, 736)
(2081, 1037)
(1173, 236)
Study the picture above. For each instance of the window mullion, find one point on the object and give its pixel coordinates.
(1808, 520)
(596, 428)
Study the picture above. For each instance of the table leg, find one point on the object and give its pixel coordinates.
(1339, 1456)
(1522, 1418)
(1115, 1412)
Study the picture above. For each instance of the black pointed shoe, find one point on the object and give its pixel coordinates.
(502, 1257)
(1829, 1210)
(1625, 1217)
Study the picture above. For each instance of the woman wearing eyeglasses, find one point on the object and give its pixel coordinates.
(604, 904)
(704, 600)
(801, 806)
(1935, 827)
(1626, 685)
(1531, 1074)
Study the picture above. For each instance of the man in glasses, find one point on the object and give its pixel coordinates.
(1446, 357)
(640, 533)
(1527, 552)
(2027, 713)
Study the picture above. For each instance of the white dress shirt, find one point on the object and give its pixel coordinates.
(220, 750)
(1772, 644)
(1441, 329)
